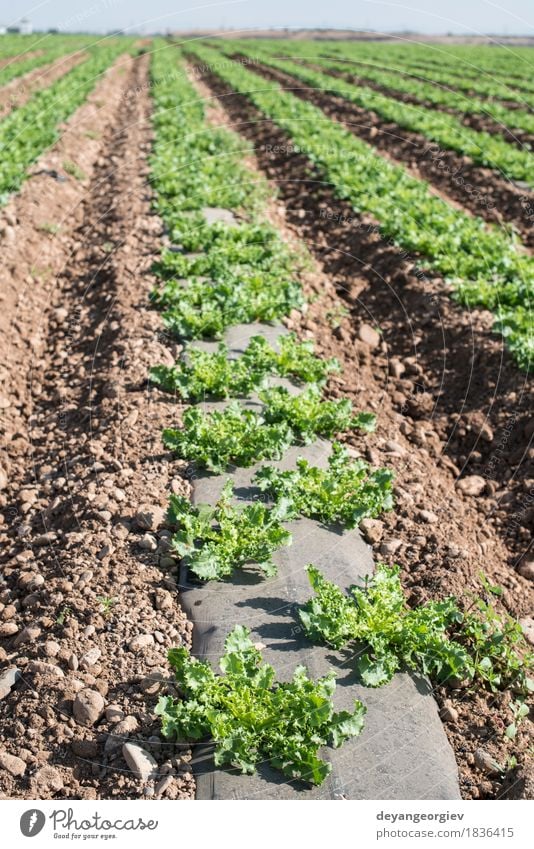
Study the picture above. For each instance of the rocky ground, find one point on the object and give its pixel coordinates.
(87, 609)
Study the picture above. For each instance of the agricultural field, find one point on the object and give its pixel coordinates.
(267, 480)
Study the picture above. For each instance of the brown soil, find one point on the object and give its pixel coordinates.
(477, 190)
(18, 91)
(83, 543)
(483, 123)
(11, 59)
(434, 419)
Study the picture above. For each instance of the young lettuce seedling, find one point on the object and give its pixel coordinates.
(436, 638)
(347, 491)
(214, 541)
(202, 374)
(242, 437)
(251, 717)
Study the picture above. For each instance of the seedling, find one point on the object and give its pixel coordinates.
(436, 638)
(201, 374)
(107, 604)
(74, 170)
(347, 491)
(213, 541)
(253, 718)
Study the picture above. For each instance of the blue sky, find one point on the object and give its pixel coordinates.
(426, 16)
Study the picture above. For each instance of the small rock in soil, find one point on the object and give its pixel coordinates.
(12, 764)
(152, 683)
(90, 658)
(163, 785)
(28, 635)
(126, 725)
(88, 707)
(393, 447)
(372, 529)
(52, 648)
(526, 570)
(390, 546)
(471, 485)
(368, 334)
(8, 679)
(428, 516)
(142, 641)
(448, 713)
(114, 713)
(141, 762)
(420, 405)
(39, 667)
(46, 779)
(163, 599)
(527, 626)
(148, 543)
(149, 517)
(396, 368)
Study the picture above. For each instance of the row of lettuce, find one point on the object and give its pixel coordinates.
(511, 64)
(517, 81)
(28, 60)
(215, 275)
(485, 149)
(32, 128)
(16, 45)
(484, 265)
(486, 82)
(347, 60)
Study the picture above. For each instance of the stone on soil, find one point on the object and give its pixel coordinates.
(12, 764)
(368, 334)
(485, 763)
(88, 707)
(90, 658)
(46, 779)
(372, 529)
(149, 517)
(8, 679)
(141, 762)
(428, 516)
(527, 626)
(142, 641)
(526, 570)
(448, 713)
(28, 635)
(471, 485)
